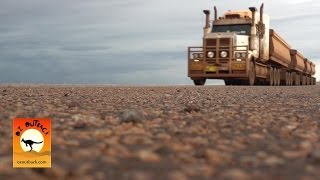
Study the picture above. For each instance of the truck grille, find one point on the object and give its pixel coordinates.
(222, 42)
(211, 42)
(225, 41)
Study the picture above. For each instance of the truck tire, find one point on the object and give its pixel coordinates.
(308, 80)
(293, 79)
(252, 74)
(199, 82)
(297, 80)
(290, 79)
(275, 73)
(287, 79)
(271, 76)
(304, 80)
(279, 76)
(276, 77)
(228, 82)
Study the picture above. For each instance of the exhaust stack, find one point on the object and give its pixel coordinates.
(206, 28)
(253, 29)
(262, 29)
(215, 13)
(261, 24)
(261, 13)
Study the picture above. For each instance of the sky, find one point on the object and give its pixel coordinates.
(128, 41)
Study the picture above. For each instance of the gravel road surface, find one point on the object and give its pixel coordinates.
(177, 132)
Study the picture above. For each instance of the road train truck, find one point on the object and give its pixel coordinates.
(240, 49)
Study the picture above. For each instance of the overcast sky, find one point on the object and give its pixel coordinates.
(128, 41)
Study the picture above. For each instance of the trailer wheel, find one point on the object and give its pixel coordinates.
(279, 76)
(304, 80)
(310, 80)
(276, 77)
(275, 74)
(290, 79)
(199, 82)
(293, 79)
(252, 74)
(287, 79)
(297, 80)
(271, 76)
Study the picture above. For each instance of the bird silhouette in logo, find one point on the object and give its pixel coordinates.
(30, 143)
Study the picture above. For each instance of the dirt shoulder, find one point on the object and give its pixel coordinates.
(181, 132)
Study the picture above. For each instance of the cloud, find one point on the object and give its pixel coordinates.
(299, 1)
(136, 41)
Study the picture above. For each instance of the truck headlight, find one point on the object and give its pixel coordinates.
(238, 55)
(197, 55)
(210, 54)
(223, 54)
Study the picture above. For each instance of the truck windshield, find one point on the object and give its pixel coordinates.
(238, 29)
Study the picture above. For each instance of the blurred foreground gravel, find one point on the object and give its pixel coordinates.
(177, 132)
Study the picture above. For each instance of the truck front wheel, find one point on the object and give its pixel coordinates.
(228, 82)
(199, 82)
(252, 74)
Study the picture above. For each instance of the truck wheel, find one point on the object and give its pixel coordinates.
(228, 82)
(287, 79)
(290, 79)
(271, 76)
(297, 80)
(252, 74)
(276, 77)
(199, 82)
(310, 81)
(293, 79)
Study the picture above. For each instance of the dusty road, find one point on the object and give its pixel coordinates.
(183, 132)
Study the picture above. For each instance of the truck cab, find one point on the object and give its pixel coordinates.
(232, 46)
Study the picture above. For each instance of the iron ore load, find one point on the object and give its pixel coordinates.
(240, 48)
